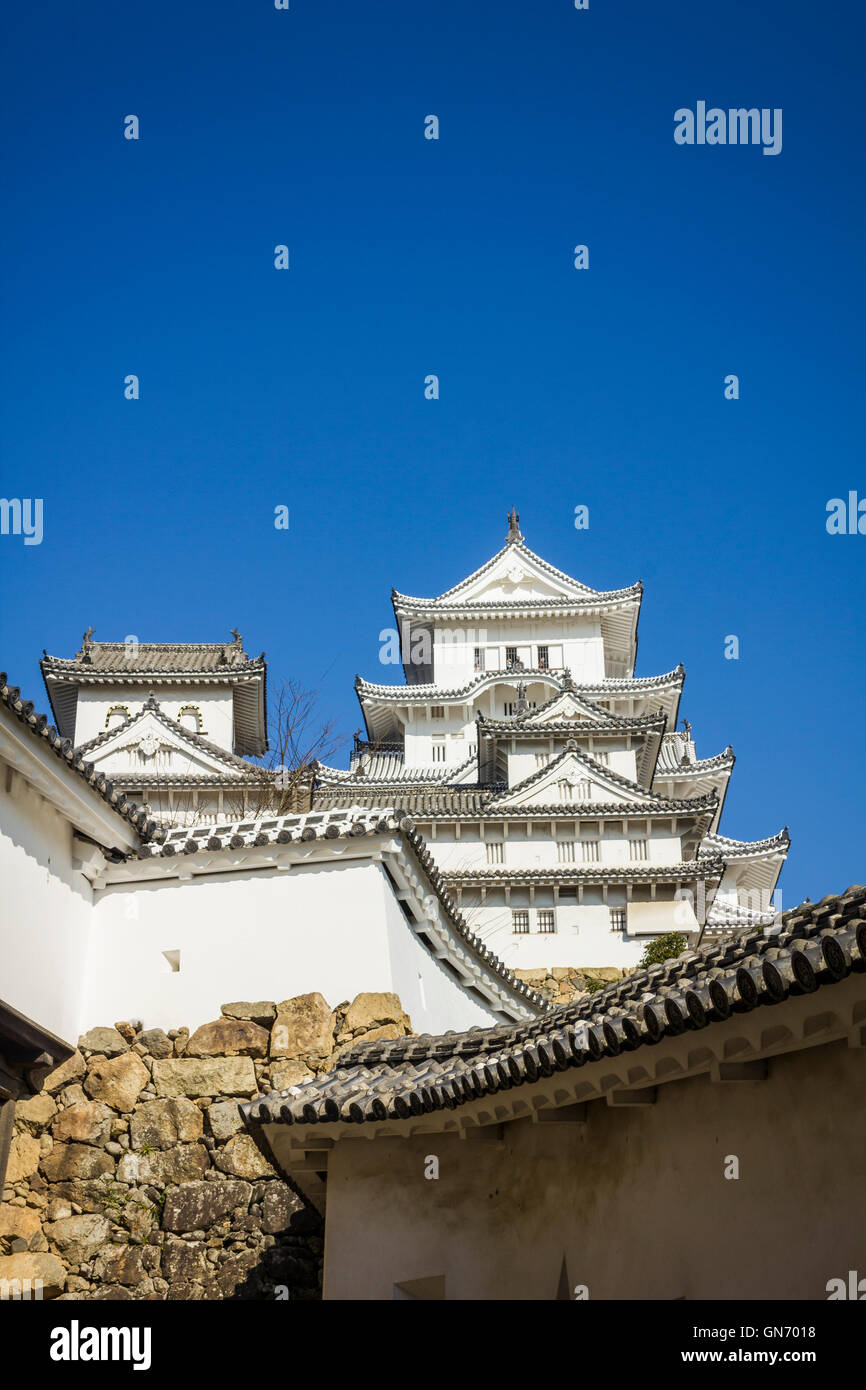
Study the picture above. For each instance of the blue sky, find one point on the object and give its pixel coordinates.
(408, 257)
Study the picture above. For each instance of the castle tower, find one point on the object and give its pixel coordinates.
(572, 819)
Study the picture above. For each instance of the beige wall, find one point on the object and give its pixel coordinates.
(635, 1199)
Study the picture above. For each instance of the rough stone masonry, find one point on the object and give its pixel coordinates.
(130, 1173)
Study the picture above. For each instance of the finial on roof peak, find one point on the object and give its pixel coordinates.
(513, 527)
(87, 644)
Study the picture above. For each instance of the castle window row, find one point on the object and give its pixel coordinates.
(585, 850)
(545, 920)
(485, 659)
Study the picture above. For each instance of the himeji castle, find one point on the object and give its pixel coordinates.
(571, 818)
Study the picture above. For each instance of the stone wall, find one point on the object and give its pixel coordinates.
(562, 984)
(130, 1172)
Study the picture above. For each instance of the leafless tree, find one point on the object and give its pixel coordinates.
(297, 739)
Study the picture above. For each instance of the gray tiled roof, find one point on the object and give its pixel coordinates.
(706, 867)
(613, 685)
(151, 658)
(517, 727)
(743, 849)
(423, 802)
(406, 603)
(816, 945)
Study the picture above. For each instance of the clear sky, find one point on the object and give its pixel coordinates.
(409, 257)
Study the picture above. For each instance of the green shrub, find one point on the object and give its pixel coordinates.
(665, 947)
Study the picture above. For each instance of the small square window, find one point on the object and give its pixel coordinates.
(495, 852)
(565, 851)
(546, 920)
(637, 849)
(520, 920)
(437, 712)
(617, 919)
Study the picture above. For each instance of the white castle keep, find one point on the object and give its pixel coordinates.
(570, 817)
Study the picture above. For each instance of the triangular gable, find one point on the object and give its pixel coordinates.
(564, 705)
(150, 744)
(572, 779)
(513, 573)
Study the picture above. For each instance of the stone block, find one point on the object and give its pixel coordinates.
(160, 1124)
(195, 1076)
(228, 1037)
(76, 1161)
(304, 1027)
(89, 1123)
(198, 1205)
(105, 1040)
(263, 1012)
(118, 1081)
(35, 1272)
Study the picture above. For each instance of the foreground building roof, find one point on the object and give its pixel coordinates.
(603, 1042)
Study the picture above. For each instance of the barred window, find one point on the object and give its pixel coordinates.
(510, 657)
(589, 850)
(637, 849)
(495, 852)
(479, 658)
(566, 791)
(520, 920)
(546, 920)
(584, 789)
(602, 756)
(437, 711)
(438, 750)
(543, 658)
(565, 851)
(617, 919)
